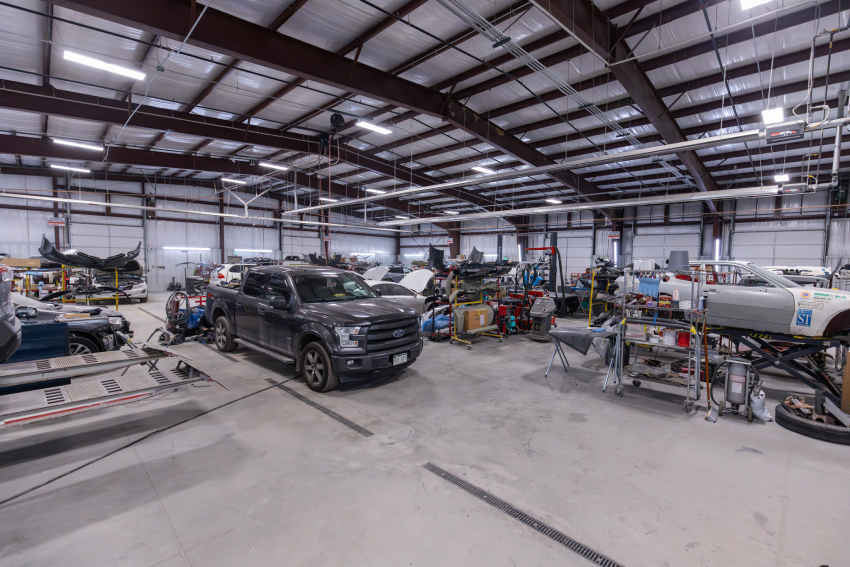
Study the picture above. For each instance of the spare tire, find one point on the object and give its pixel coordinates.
(832, 433)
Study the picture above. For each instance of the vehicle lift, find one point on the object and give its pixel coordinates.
(767, 354)
(63, 397)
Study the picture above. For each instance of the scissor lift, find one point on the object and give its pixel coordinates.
(134, 384)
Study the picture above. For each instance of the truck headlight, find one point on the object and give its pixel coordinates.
(116, 322)
(345, 336)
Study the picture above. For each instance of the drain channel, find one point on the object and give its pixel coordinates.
(533, 523)
(330, 413)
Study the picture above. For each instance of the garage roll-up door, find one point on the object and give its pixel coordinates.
(576, 250)
(658, 246)
(104, 240)
(779, 248)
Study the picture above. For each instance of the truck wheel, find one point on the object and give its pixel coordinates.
(223, 335)
(143, 299)
(316, 367)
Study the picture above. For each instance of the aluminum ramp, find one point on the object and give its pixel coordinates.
(86, 395)
(81, 365)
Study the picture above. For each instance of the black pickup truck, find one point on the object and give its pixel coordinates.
(327, 321)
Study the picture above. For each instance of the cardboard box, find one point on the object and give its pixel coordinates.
(22, 262)
(474, 319)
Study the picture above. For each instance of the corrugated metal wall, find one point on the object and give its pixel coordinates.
(21, 230)
(792, 238)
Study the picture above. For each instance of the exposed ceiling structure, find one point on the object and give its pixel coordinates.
(257, 83)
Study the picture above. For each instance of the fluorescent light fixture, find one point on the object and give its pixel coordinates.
(97, 63)
(78, 144)
(519, 252)
(273, 166)
(374, 127)
(69, 168)
(182, 248)
(229, 180)
(415, 255)
(249, 250)
(401, 217)
(553, 201)
(773, 115)
(328, 199)
(483, 170)
(451, 213)
(747, 4)
(716, 249)
(526, 139)
(616, 242)
(375, 191)
(781, 178)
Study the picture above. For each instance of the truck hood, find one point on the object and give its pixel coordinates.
(358, 311)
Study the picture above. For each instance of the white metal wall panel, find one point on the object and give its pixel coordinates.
(658, 246)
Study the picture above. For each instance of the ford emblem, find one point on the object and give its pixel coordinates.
(398, 333)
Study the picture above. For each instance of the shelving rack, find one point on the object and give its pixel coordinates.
(692, 320)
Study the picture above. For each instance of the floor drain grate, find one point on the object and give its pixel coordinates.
(533, 523)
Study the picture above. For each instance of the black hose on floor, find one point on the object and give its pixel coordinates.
(128, 445)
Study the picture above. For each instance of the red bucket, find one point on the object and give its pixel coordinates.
(684, 339)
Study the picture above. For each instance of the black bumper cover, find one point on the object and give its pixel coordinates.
(375, 365)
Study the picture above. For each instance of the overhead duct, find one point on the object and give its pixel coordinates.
(578, 163)
(184, 212)
(761, 191)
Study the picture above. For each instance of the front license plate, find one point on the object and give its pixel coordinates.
(399, 359)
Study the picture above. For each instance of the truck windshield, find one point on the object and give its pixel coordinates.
(330, 286)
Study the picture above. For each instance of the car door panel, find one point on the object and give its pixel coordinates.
(278, 324)
(759, 307)
(249, 303)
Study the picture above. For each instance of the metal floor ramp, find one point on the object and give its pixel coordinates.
(85, 395)
(80, 365)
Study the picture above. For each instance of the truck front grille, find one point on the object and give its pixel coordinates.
(381, 336)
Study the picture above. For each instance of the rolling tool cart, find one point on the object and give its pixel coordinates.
(642, 307)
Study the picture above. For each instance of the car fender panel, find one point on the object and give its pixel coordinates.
(819, 311)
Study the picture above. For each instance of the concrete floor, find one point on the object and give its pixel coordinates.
(270, 480)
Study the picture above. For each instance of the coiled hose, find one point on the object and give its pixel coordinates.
(177, 309)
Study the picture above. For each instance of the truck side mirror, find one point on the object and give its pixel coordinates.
(377, 292)
(281, 302)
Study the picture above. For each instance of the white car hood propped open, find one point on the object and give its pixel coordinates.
(416, 280)
(377, 273)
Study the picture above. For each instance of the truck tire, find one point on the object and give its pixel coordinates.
(224, 335)
(833, 433)
(316, 367)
